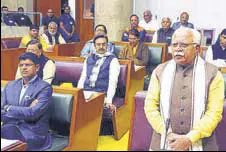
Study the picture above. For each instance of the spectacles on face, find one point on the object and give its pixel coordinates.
(182, 45)
(25, 65)
(101, 44)
(99, 30)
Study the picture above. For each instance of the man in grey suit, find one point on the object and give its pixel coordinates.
(24, 106)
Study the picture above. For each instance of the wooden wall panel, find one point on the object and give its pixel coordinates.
(43, 5)
(9, 62)
(84, 26)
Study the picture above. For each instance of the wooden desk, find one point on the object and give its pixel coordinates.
(21, 146)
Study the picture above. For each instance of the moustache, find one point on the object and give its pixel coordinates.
(178, 53)
(101, 49)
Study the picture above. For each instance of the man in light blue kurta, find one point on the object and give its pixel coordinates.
(89, 48)
(24, 106)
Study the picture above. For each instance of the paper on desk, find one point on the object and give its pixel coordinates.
(136, 67)
(6, 142)
(88, 94)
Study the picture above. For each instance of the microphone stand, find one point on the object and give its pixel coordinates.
(166, 129)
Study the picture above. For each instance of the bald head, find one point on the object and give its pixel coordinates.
(166, 23)
(147, 16)
(184, 18)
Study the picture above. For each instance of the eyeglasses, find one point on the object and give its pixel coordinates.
(50, 12)
(25, 65)
(99, 30)
(181, 45)
(99, 44)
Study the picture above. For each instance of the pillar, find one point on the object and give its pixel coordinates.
(114, 14)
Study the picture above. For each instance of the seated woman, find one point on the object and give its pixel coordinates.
(134, 20)
(136, 50)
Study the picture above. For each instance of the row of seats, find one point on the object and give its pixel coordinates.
(126, 88)
(70, 124)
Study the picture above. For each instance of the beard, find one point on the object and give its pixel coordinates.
(52, 33)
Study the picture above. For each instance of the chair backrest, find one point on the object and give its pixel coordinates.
(70, 71)
(120, 92)
(118, 47)
(141, 131)
(60, 113)
(149, 35)
(11, 43)
(157, 54)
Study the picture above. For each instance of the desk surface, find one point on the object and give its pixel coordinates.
(19, 146)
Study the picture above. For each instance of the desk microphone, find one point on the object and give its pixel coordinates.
(166, 129)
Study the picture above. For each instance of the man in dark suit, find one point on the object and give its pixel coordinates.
(24, 106)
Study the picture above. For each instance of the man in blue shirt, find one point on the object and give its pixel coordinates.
(7, 18)
(22, 19)
(50, 17)
(89, 48)
(67, 26)
(183, 21)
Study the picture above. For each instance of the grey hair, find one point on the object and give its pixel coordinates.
(196, 35)
(148, 11)
(52, 23)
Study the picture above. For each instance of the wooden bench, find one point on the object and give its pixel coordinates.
(9, 43)
(158, 53)
(72, 49)
(130, 80)
(74, 121)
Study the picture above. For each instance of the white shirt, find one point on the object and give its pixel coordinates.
(48, 72)
(113, 79)
(61, 39)
(209, 58)
(152, 25)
